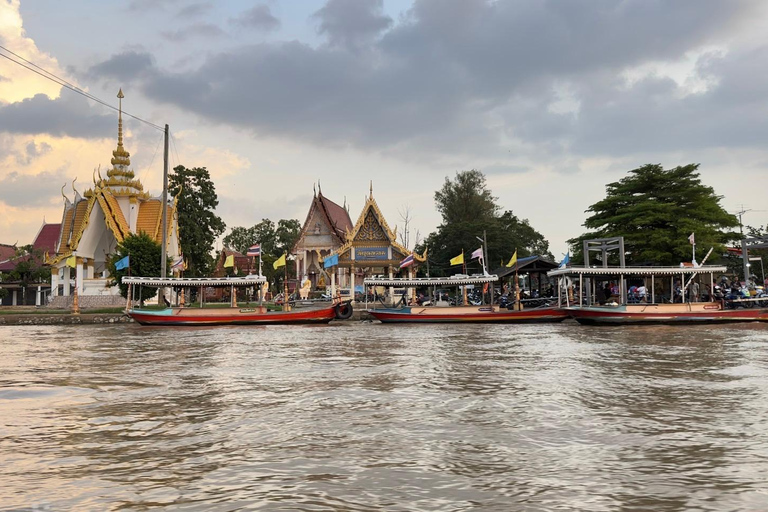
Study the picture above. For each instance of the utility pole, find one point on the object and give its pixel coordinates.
(164, 243)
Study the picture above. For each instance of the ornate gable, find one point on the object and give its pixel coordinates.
(372, 230)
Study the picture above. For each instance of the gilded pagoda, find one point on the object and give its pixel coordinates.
(95, 223)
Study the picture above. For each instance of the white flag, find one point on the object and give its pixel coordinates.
(692, 239)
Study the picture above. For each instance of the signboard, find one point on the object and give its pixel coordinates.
(371, 254)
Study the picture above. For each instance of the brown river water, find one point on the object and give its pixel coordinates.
(364, 416)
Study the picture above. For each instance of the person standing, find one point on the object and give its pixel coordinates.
(694, 295)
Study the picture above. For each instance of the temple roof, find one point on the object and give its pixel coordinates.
(7, 251)
(47, 237)
(372, 227)
(336, 217)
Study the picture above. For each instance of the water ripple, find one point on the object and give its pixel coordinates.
(361, 416)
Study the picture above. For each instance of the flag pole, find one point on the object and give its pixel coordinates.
(518, 304)
(287, 305)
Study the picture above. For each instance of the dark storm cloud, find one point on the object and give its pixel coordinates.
(24, 189)
(258, 17)
(458, 75)
(352, 22)
(69, 115)
(123, 67)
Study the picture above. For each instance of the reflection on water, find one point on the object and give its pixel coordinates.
(363, 416)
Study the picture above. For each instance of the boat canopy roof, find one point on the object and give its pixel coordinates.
(457, 280)
(636, 271)
(195, 281)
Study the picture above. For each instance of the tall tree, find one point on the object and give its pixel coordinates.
(468, 209)
(144, 255)
(287, 234)
(275, 240)
(240, 239)
(198, 224)
(656, 210)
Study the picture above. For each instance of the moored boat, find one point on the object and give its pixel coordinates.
(650, 307)
(458, 314)
(233, 315)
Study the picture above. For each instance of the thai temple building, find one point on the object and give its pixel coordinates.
(323, 233)
(95, 223)
(371, 248)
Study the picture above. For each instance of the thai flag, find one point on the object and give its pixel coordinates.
(254, 250)
(407, 262)
(179, 263)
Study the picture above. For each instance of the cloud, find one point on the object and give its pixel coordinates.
(24, 189)
(194, 10)
(32, 151)
(69, 115)
(470, 80)
(123, 67)
(258, 17)
(198, 30)
(351, 23)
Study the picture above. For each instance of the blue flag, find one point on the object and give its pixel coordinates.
(123, 263)
(566, 259)
(331, 261)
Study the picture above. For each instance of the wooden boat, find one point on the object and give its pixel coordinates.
(233, 315)
(468, 314)
(626, 311)
(457, 314)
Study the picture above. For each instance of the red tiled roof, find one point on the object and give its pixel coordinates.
(47, 238)
(336, 214)
(7, 252)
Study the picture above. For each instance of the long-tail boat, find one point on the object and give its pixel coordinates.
(492, 313)
(651, 307)
(232, 315)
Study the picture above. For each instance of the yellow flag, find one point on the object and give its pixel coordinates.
(230, 261)
(71, 262)
(458, 260)
(512, 260)
(279, 263)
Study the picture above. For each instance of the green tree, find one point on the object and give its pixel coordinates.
(29, 269)
(240, 239)
(198, 224)
(287, 234)
(656, 210)
(144, 255)
(468, 209)
(275, 240)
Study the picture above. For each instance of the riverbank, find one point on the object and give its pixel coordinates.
(61, 318)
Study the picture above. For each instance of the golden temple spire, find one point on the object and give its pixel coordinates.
(371, 196)
(120, 156)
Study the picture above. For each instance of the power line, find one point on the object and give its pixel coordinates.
(60, 81)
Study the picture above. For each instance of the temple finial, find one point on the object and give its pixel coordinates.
(319, 188)
(120, 95)
(62, 192)
(73, 186)
(371, 196)
(314, 191)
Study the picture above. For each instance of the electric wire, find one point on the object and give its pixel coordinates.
(60, 81)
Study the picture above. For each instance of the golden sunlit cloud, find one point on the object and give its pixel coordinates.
(19, 83)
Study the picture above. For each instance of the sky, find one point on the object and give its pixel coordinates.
(551, 100)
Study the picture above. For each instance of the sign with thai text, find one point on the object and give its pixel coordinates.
(371, 253)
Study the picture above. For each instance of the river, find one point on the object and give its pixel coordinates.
(364, 416)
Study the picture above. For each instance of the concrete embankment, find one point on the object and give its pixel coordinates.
(63, 319)
(41, 318)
